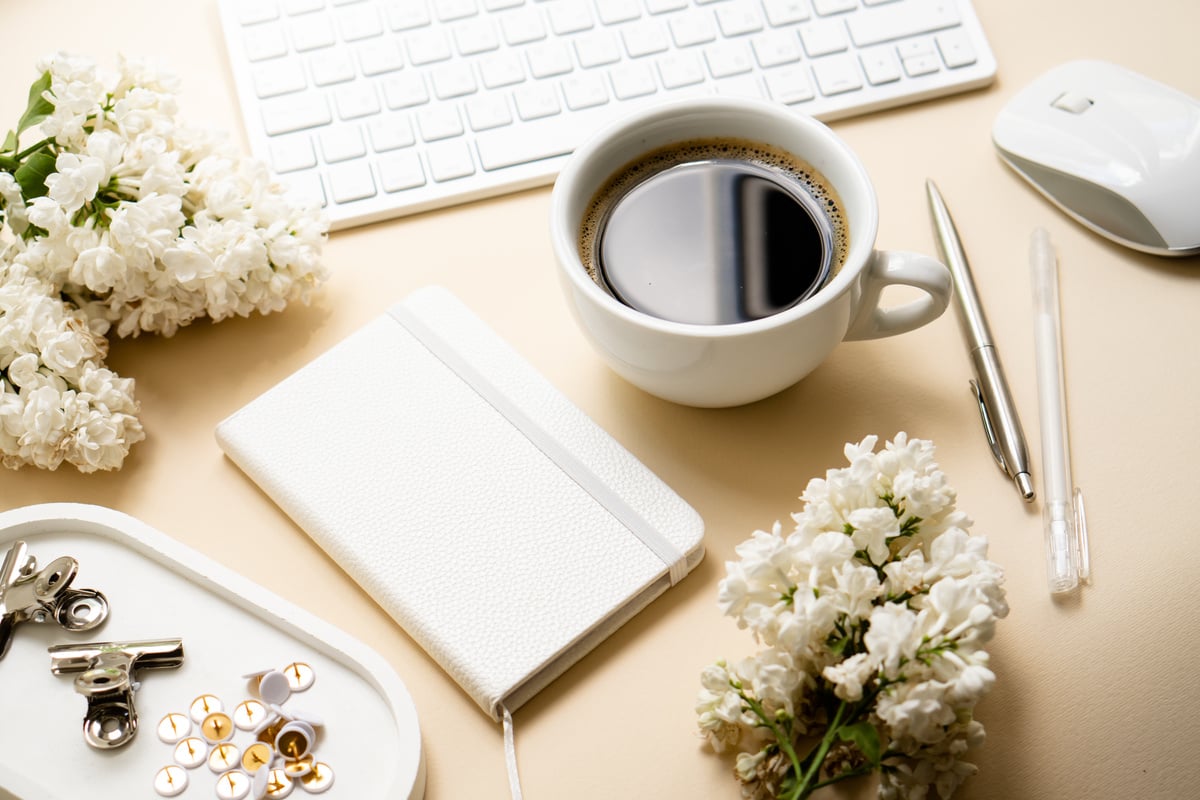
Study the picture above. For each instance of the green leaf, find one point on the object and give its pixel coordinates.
(865, 737)
(39, 107)
(32, 174)
(10, 143)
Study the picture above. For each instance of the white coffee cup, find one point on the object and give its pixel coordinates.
(736, 363)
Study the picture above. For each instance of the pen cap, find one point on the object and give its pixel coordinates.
(1062, 546)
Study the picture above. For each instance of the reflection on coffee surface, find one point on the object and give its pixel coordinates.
(714, 231)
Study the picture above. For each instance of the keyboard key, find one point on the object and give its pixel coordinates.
(400, 171)
(342, 144)
(786, 12)
(789, 85)
(632, 80)
(549, 59)
(305, 188)
(290, 153)
(690, 30)
(278, 77)
(880, 65)
(487, 111)
(502, 69)
(254, 11)
(887, 23)
(476, 36)
(740, 86)
(351, 181)
(728, 58)
(665, 6)
(644, 38)
(735, 20)
(378, 57)
(776, 48)
(956, 50)
(428, 47)
(612, 12)
(453, 80)
(295, 7)
(522, 26)
(450, 161)
(390, 132)
(449, 10)
(679, 70)
(311, 33)
(597, 50)
(359, 22)
(439, 122)
(922, 65)
(825, 8)
(404, 90)
(295, 112)
(584, 91)
(406, 15)
(536, 101)
(262, 42)
(570, 16)
(823, 38)
(356, 100)
(837, 75)
(331, 66)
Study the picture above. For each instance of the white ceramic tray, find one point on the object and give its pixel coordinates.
(158, 588)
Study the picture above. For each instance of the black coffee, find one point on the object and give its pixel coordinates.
(714, 231)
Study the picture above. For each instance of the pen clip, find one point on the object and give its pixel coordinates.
(1081, 534)
(988, 430)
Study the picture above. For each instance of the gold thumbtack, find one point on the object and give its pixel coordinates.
(294, 740)
(217, 727)
(300, 675)
(174, 727)
(257, 756)
(319, 779)
(279, 785)
(233, 785)
(224, 757)
(190, 752)
(248, 714)
(299, 767)
(204, 705)
(170, 781)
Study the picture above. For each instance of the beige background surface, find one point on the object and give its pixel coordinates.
(1096, 696)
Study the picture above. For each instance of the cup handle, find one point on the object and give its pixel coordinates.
(890, 267)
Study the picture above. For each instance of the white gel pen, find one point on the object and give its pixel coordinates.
(1067, 560)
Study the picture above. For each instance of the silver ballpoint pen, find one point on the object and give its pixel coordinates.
(1000, 421)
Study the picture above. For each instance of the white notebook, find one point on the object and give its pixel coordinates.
(505, 531)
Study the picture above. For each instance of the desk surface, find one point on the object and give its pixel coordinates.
(1096, 696)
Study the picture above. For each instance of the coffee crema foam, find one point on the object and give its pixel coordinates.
(775, 159)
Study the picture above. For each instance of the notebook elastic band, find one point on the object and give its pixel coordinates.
(591, 483)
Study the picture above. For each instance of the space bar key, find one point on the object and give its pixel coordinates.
(542, 138)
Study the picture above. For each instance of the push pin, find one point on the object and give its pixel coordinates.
(27, 595)
(106, 678)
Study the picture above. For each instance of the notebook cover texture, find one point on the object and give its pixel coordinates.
(506, 532)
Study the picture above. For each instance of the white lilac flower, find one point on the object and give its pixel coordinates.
(144, 225)
(873, 613)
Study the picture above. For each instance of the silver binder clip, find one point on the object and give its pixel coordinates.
(106, 678)
(27, 595)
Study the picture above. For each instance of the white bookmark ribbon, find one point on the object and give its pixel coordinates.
(510, 754)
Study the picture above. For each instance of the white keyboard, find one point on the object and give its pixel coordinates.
(379, 108)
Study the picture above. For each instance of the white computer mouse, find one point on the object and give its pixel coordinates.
(1116, 150)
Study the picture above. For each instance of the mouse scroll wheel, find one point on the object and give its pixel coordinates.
(1074, 102)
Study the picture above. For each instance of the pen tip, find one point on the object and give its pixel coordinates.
(1025, 486)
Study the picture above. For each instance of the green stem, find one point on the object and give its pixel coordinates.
(866, 769)
(33, 148)
(806, 784)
